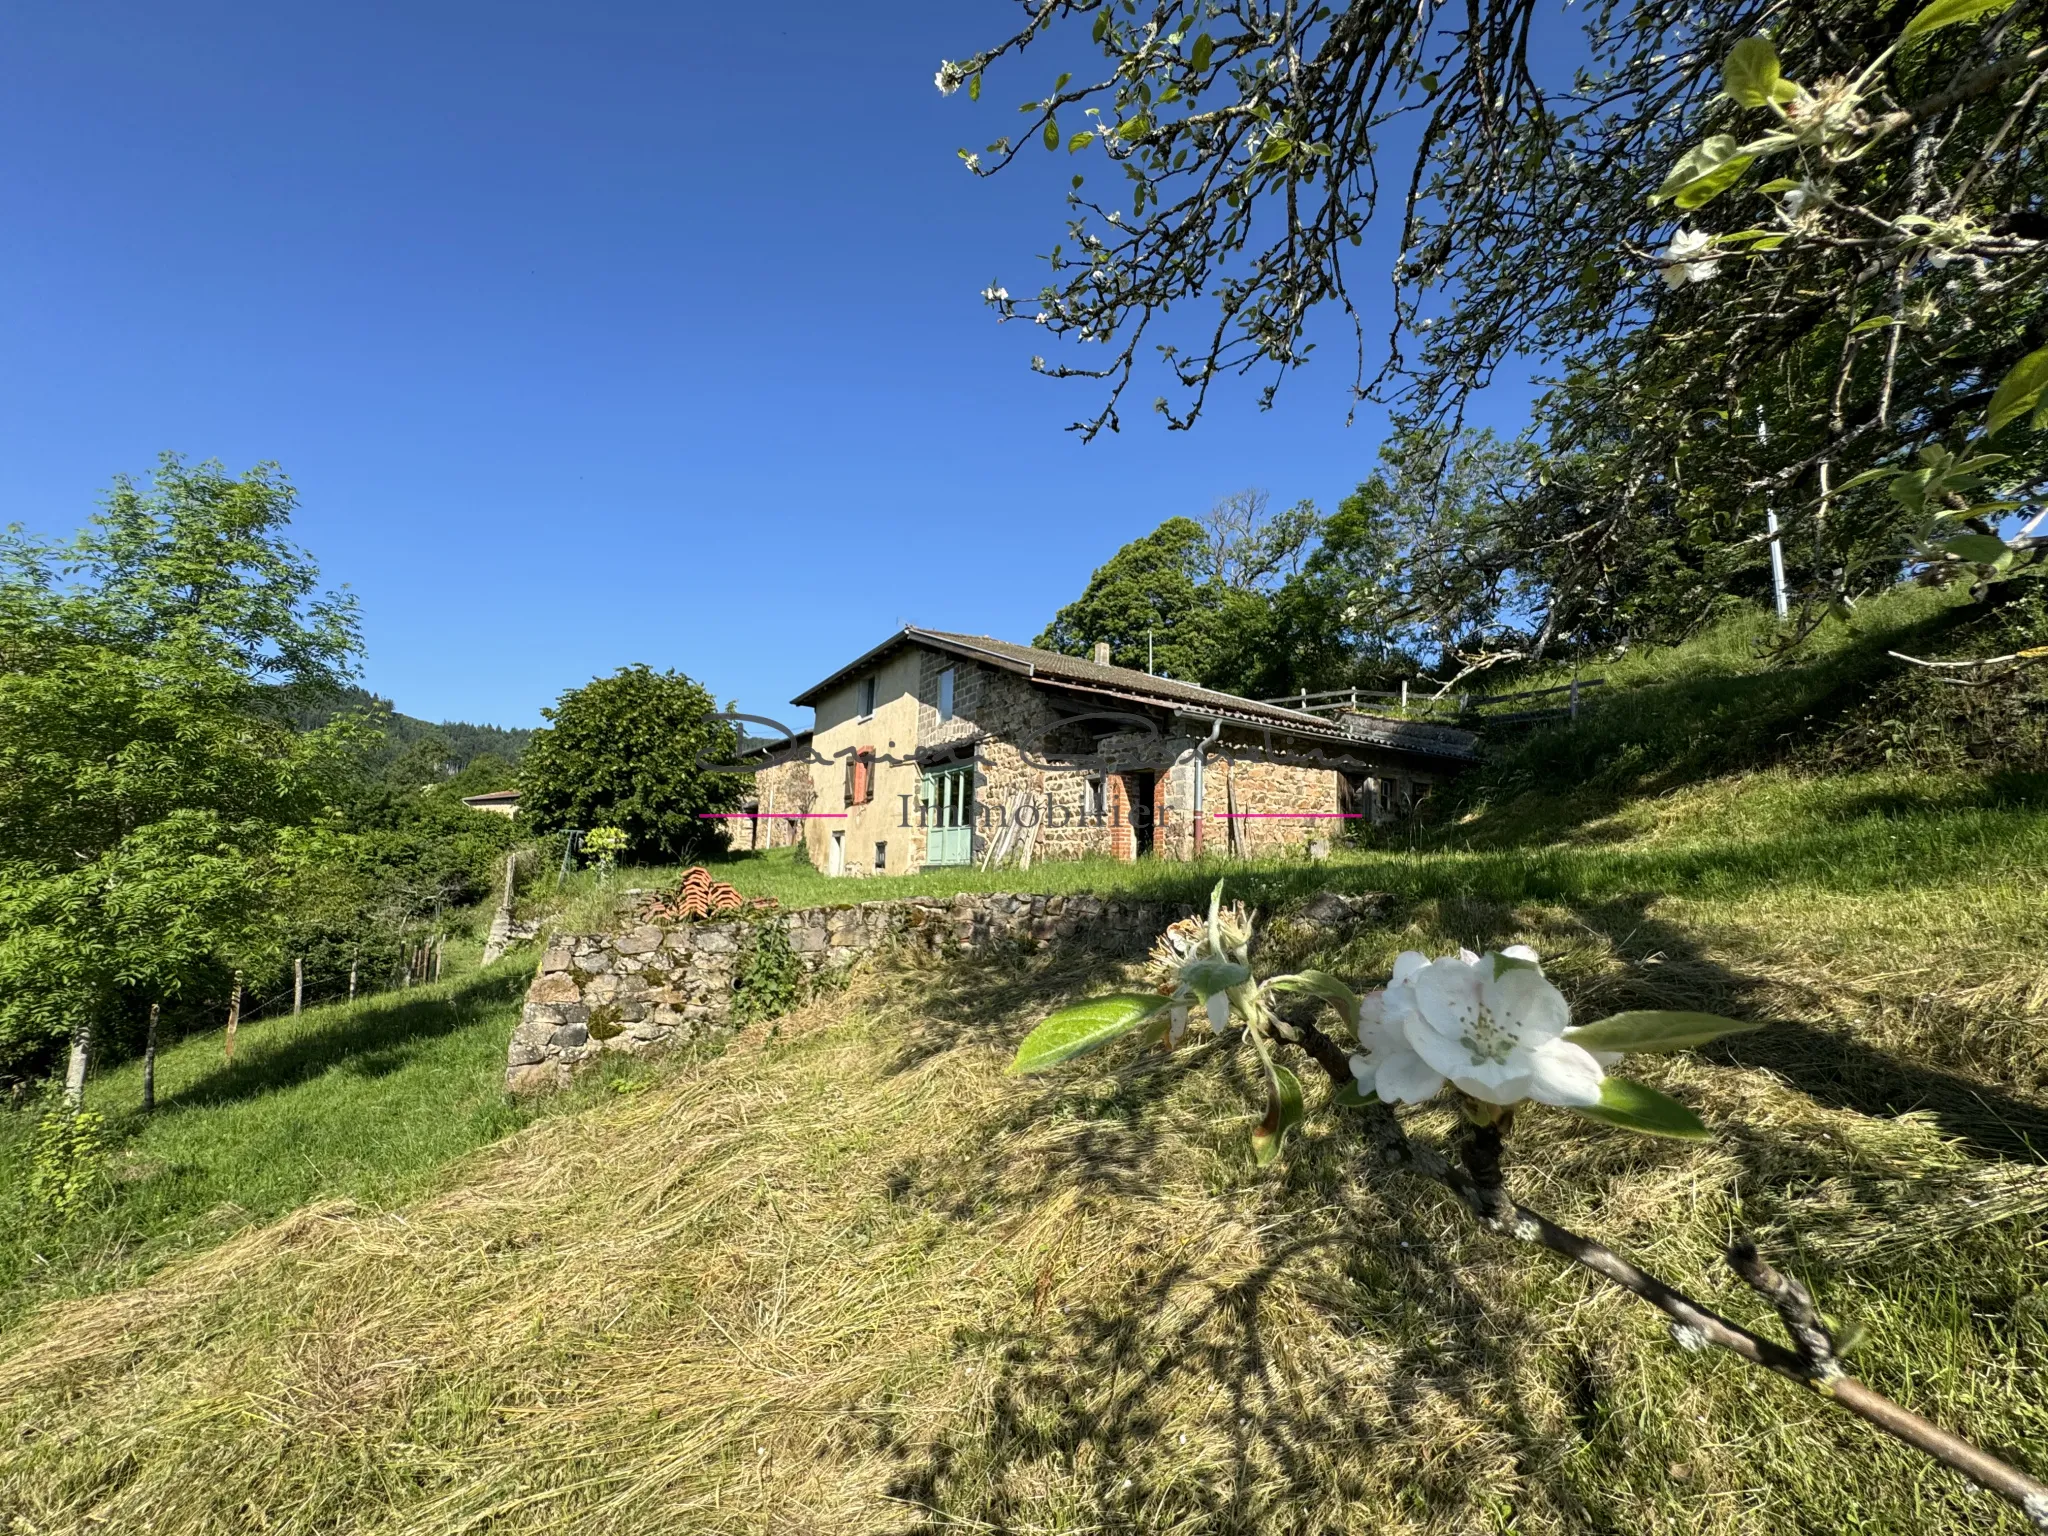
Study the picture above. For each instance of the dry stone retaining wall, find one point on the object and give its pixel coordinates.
(651, 986)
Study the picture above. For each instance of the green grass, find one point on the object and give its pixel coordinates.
(370, 1102)
(850, 1276)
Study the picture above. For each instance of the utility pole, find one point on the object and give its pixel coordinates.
(1763, 436)
(1148, 654)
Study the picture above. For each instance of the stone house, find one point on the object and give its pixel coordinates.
(937, 749)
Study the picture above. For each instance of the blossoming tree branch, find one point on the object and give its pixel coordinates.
(1495, 1034)
(1814, 289)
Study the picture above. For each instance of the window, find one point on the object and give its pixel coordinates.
(881, 857)
(946, 694)
(867, 697)
(1096, 790)
(860, 776)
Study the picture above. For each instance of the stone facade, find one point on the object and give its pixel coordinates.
(648, 986)
(781, 796)
(1061, 759)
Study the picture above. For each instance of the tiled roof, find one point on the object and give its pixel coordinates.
(491, 797)
(1055, 668)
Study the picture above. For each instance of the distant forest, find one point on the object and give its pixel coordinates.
(465, 742)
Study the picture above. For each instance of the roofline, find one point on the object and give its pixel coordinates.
(491, 794)
(1214, 703)
(909, 634)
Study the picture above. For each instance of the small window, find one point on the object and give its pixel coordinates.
(867, 697)
(881, 857)
(946, 694)
(1096, 788)
(860, 776)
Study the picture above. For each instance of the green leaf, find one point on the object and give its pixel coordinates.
(1133, 129)
(1978, 548)
(1656, 1029)
(1751, 75)
(1321, 984)
(974, 86)
(1283, 1113)
(1636, 1108)
(1215, 914)
(1275, 149)
(1704, 172)
(1207, 976)
(1079, 141)
(2019, 392)
(1782, 184)
(1950, 13)
(1086, 1027)
(1205, 45)
(1348, 1096)
(1052, 133)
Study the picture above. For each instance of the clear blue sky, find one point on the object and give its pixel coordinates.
(590, 335)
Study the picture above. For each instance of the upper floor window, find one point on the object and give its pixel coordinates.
(866, 694)
(946, 694)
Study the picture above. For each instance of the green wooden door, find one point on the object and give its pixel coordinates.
(948, 800)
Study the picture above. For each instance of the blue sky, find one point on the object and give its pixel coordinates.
(590, 335)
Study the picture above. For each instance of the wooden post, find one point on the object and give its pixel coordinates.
(1404, 695)
(234, 1019)
(74, 1073)
(351, 981)
(298, 984)
(1575, 696)
(149, 1062)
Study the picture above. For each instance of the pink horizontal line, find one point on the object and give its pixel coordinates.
(771, 815)
(1283, 815)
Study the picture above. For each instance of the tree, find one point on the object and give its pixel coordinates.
(1691, 237)
(149, 779)
(631, 751)
(1152, 601)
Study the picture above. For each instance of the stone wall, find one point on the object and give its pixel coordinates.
(650, 986)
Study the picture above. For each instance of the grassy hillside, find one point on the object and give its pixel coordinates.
(849, 1276)
(369, 1102)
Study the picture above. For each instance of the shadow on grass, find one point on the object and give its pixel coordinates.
(1166, 1402)
(374, 1038)
(1118, 1383)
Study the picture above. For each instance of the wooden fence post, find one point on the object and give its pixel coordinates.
(351, 981)
(1404, 695)
(234, 1019)
(298, 984)
(149, 1062)
(1575, 696)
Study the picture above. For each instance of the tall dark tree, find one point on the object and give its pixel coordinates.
(632, 751)
(1152, 602)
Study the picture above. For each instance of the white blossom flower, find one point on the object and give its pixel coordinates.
(1800, 197)
(1495, 1027)
(1390, 1066)
(1494, 1030)
(948, 77)
(1042, 318)
(995, 295)
(1681, 265)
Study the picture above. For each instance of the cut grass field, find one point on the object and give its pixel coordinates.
(370, 1102)
(849, 1276)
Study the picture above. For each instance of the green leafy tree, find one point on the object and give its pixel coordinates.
(632, 751)
(149, 778)
(1153, 595)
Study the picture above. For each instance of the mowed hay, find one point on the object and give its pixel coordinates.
(851, 1277)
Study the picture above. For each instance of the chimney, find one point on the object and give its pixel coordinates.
(1102, 653)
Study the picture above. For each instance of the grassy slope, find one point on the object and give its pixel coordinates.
(850, 1277)
(368, 1102)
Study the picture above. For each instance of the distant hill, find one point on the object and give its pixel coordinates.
(466, 742)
